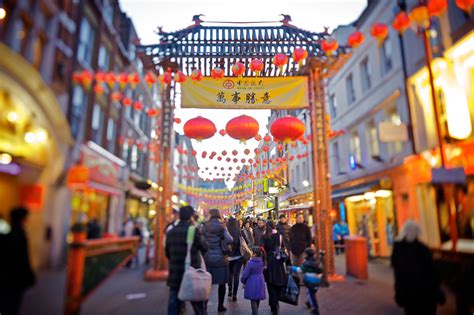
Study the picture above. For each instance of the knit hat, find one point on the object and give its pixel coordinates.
(309, 252)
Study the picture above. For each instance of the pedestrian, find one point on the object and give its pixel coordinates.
(365, 232)
(127, 227)
(247, 233)
(275, 273)
(93, 229)
(235, 259)
(16, 274)
(258, 231)
(337, 237)
(417, 285)
(284, 229)
(137, 231)
(241, 223)
(217, 256)
(176, 250)
(300, 239)
(254, 280)
(312, 269)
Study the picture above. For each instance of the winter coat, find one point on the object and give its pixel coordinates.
(248, 237)
(176, 250)
(275, 273)
(214, 231)
(257, 235)
(253, 279)
(300, 238)
(284, 230)
(311, 267)
(416, 280)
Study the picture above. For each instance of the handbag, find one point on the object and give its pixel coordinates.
(197, 282)
(281, 253)
(245, 251)
(291, 292)
(226, 247)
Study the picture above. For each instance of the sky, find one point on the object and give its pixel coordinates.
(173, 15)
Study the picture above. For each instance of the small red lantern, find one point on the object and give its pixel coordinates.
(126, 101)
(86, 79)
(177, 120)
(256, 65)
(235, 152)
(235, 160)
(437, 7)
(329, 46)
(166, 79)
(243, 160)
(242, 128)
(401, 22)
(196, 75)
(379, 31)
(465, 5)
(258, 137)
(110, 79)
(224, 153)
(199, 128)
(299, 55)
(355, 39)
(116, 96)
(256, 151)
(203, 155)
(287, 128)
(217, 73)
(246, 151)
(420, 16)
(265, 148)
(219, 158)
(238, 69)
(280, 60)
(150, 79)
(138, 105)
(267, 138)
(222, 132)
(99, 77)
(194, 153)
(228, 159)
(280, 147)
(98, 88)
(152, 112)
(179, 77)
(133, 79)
(122, 79)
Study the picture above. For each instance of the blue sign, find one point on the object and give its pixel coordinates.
(352, 162)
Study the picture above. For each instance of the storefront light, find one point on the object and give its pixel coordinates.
(369, 195)
(174, 198)
(373, 201)
(160, 188)
(12, 117)
(5, 158)
(383, 193)
(144, 199)
(154, 185)
(152, 212)
(355, 198)
(41, 135)
(150, 201)
(305, 183)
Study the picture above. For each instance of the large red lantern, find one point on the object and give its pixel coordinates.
(329, 46)
(196, 75)
(199, 128)
(122, 79)
(238, 69)
(153, 112)
(110, 79)
(287, 128)
(299, 55)
(166, 79)
(379, 31)
(150, 79)
(437, 7)
(465, 5)
(401, 22)
(256, 65)
(280, 60)
(179, 77)
(355, 39)
(217, 73)
(242, 127)
(420, 16)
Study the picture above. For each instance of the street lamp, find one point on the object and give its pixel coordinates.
(305, 183)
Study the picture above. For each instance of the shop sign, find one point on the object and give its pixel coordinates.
(101, 170)
(444, 175)
(390, 132)
(32, 196)
(258, 93)
(78, 176)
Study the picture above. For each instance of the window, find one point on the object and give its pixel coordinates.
(372, 138)
(103, 59)
(19, 38)
(350, 89)
(335, 152)
(134, 158)
(97, 124)
(110, 136)
(332, 106)
(125, 149)
(86, 42)
(365, 73)
(77, 110)
(387, 55)
(355, 146)
(394, 117)
(297, 179)
(108, 11)
(304, 171)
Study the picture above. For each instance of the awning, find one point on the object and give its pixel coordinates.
(104, 188)
(356, 190)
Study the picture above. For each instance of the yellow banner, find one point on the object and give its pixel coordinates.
(254, 93)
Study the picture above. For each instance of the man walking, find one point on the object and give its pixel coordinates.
(258, 231)
(300, 239)
(176, 249)
(284, 229)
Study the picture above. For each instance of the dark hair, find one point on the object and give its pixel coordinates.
(186, 212)
(18, 214)
(234, 228)
(215, 213)
(300, 213)
(282, 216)
(257, 252)
(309, 252)
(247, 221)
(269, 226)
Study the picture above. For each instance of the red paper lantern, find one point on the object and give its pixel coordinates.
(437, 7)
(379, 31)
(256, 151)
(299, 55)
(199, 128)
(287, 128)
(179, 77)
(265, 148)
(258, 137)
(238, 69)
(153, 112)
(116, 96)
(138, 105)
(280, 147)
(246, 151)
(203, 154)
(291, 158)
(420, 16)
(177, 120)
(110, 79)
(267, 138)
(256, 65)
(242, 160)
(86, 79)
(235, 160)
(242, 128)
(401, 22)
(465, 5)
(280, 60)
(166, 79)
(150, 79)
(222, 132)
(355, 39)
(228, 159)
(329, 46)
(219, 158)
(98, 88)
(224, 153)
(122, 79)
(126, 101)
(235, 152)
(217, 73)
(99, 77)
(196, 75)
(134, 79)
(194, 153)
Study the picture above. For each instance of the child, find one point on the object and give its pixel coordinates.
(312, 270)
(253, 280)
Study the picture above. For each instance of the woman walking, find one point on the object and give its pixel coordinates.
(217, 259)
(235, 259)
(275, 273)
(247, 233)
(254, 280)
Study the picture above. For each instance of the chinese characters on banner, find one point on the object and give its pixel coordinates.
(252, 93)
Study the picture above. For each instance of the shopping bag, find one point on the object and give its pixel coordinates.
(197, 282)
(291, 292)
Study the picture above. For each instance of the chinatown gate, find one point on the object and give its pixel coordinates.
(206, 47)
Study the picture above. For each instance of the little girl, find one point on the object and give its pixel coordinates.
(253, 280)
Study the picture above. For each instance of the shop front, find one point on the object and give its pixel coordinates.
(298, 204)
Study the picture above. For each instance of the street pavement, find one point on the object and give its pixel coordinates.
(126, 293)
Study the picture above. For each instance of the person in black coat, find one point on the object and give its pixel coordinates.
(275, 273)
(176, 250)
(259, 231)
(300, 239)
(284, 229)
(417, 286)
(217, 260)
(16, 274)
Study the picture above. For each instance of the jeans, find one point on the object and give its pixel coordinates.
(254, 305)
(274, 292)
(234, 275)
(312, 299)
(174, 304)
(297, 260)
(10, 302)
